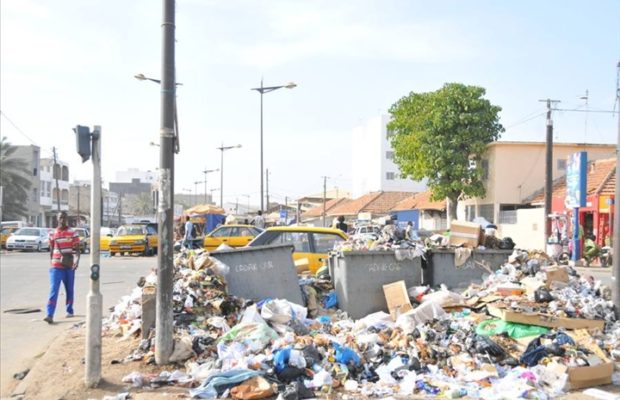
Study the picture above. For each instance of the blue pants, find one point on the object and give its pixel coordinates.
(67, 277)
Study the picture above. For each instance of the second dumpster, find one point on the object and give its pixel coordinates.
(442, 267)
(359, 276)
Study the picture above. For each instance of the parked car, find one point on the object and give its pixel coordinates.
(367, 232)
(29, 239)
(84, 239)
(135, 238)
(310, 243)
(231, 235)
(5, 233)
(105, 236)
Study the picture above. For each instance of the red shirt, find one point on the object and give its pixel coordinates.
(64, 241)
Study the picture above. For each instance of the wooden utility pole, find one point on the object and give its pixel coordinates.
(324, 197)
(56, 173)
(549, 168)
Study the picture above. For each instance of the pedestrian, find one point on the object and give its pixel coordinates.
(342, 225)
(409, 231)
(64, 260)
(188, 238)
(259, 221)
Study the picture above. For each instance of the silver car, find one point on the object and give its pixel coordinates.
(29, 239)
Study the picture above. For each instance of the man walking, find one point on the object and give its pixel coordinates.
(188, 239)
(259, 221)
(64, 258)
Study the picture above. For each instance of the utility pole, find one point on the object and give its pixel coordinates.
(236, 205)
(548, 168)
(165, 216)
(56, 173)
(615, 278)
(78, 207)
(196, 192)
(1, 201)
(94, 300)
(324, 197)
(206, 171)
(267, 187)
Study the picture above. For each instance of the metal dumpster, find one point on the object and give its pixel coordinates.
(442, 269)
(359, 276)
(262, 271)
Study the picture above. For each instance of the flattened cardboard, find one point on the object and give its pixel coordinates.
(540, 319)
(463, 233)
(582, 377)
(397, 298)
(559, 274)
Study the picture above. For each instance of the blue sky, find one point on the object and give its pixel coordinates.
(72, 62)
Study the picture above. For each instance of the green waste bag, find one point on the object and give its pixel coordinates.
(513, 329)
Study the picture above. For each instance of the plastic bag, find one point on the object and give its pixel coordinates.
(345, 355)
(254, 335)
(513, 329)
(543, 295)
(424, 312)
(331, 300)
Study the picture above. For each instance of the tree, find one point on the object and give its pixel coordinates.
(442, 136)
(139, 204)
(14, 180)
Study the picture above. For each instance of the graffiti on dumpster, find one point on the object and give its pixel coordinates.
(254, 267)
(391, 267)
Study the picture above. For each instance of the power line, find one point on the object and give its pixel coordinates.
(16, 127)
(586, 111)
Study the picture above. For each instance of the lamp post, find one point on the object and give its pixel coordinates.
(189, 193)
(207, 171)
(266, 89)
(196, 192)
(223, 148)
(247, 210)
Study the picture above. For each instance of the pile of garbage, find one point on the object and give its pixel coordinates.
(448, 345)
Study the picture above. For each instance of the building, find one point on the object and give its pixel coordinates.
(54, 183)
(515, 170)
(132, 174)
(371, 206)
(373, 168)
(423, 212)
(31, 154)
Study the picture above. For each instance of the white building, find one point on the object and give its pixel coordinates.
(373, 169)
(134, 173)
(51, 192)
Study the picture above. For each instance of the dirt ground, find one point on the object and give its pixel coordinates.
(59, 373)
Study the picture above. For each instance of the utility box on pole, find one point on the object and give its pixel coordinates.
(89, 144)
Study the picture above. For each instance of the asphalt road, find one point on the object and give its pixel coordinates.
(24, 283)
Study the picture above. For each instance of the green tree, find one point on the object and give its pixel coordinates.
(442, 136)
(13, 178)
(139, 204)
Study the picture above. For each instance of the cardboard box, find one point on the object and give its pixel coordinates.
(397, 299)
(540, 319)
(558, 273)
(594, 375)
(464, 233)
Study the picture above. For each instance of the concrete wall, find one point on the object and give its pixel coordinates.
(529, 231)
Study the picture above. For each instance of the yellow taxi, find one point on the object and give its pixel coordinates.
(135, 238)
(231, 235)
(311, 243)
(4, 235)
(105, 237)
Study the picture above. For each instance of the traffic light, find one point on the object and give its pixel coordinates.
(82, 134)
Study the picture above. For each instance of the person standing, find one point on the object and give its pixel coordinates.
(259, 221)
(342, 225)
(409, 231)
(188, 238)
(64, 258)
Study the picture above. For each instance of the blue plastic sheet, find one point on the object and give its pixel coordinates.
(280, 359)
(331, 300)
(345, 355)
(218, 382)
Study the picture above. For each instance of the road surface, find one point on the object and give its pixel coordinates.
(24, 283)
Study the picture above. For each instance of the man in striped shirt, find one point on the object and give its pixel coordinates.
(64, 257)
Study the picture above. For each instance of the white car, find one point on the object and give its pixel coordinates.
(367, 232)
(29, 239)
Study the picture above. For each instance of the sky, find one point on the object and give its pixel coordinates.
(70, 62)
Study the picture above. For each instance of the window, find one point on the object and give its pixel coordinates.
(389, 176)
(485, 169)
(34, 195)
(561, 164)
(299, 240)
(325, 242)
(488, 211)
(222, 232)
(389, 134)
(389, 155)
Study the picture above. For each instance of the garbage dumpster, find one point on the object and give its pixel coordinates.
(442, 269)
(359, 276)
(261, 271)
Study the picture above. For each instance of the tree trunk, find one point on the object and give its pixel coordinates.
(452, 208)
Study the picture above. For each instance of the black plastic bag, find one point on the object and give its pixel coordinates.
(543, 295)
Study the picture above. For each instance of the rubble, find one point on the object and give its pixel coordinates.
(446, 346)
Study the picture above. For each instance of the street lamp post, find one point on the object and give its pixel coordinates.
(223, 148)
(196, 192)
(207, 171)
(247, 210)
(266, 89)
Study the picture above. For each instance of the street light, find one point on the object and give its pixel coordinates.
(196, 191)
(266, 89)
(206, 171)
(223, 148)
(247, 211)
